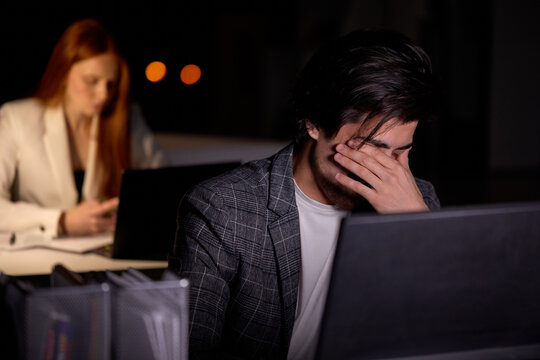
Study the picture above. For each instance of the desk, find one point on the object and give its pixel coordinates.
(191, 149)
(85, 313)
(40, 261)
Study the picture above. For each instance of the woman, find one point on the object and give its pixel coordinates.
(62, 152)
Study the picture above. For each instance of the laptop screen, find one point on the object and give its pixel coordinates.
(146, 219)
(458, 283)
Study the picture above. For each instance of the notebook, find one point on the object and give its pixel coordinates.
(146, 218)
(459, 283)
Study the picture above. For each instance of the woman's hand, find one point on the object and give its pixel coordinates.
(91, 217)
(392, 187)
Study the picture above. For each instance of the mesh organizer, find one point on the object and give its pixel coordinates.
(150, 321)
(114, 320)
(68, 323)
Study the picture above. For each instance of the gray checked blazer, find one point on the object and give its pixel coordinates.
(238, 242)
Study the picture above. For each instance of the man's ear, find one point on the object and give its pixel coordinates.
(312, 130)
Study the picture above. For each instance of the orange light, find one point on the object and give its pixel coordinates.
(190, 74)
(155, 71)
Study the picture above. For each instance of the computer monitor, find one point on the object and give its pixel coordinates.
(146, 219)
(458, 283)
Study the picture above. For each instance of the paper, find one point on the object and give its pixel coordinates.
(77, 244)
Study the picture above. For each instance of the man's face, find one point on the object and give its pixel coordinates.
(393, 139)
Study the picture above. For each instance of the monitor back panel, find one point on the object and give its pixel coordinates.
(146, 222)
(427, 283)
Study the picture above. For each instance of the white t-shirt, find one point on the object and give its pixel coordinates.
(319, 228)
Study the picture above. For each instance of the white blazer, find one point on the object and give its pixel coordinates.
(36, 176)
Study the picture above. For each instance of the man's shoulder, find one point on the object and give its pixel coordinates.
(253, 177)
(428, 193)
(251, 174)
(423, 183)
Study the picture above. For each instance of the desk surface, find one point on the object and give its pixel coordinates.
(40, 261)
(193, 149)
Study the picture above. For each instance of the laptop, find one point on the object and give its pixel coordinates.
(146, 218)
(459, 283)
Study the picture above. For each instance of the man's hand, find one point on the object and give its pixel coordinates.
(91, 217)
(392, 187)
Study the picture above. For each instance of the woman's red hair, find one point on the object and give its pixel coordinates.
(82, 40)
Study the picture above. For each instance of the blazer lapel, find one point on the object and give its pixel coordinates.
(285, 234)
(286, 238)
(57, 147)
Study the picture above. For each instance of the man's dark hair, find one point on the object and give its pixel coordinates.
(364, 74)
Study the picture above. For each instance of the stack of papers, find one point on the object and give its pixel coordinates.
(77, 244)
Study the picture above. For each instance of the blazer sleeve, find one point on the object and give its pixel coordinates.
(18, 215)
(428, 194)
(146, 151)
(204, 253)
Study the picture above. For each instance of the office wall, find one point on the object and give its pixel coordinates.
(515, 86)
(485, 53)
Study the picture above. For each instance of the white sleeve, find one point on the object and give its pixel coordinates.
(145, 150)
(16, 215)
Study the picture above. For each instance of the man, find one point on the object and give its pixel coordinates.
(257, 243)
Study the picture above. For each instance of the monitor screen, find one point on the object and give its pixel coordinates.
(458, 283)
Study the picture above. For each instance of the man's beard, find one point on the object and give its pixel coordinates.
(336, 193)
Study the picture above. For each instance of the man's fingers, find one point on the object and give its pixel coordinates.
(354, 185)
(361, 171)
(364, 159)
(378, 155)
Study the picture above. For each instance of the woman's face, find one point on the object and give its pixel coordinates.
(91, 83)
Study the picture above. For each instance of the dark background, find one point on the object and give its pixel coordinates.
(484, 148)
